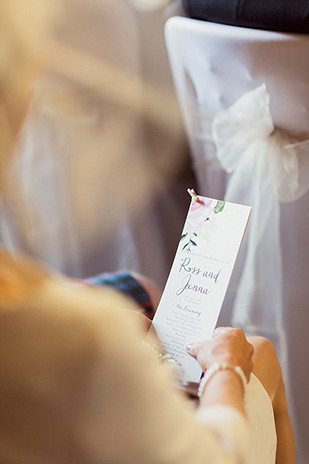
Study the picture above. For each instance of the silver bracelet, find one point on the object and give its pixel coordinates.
(221, 367)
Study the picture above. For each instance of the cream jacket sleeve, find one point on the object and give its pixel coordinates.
(78, 386)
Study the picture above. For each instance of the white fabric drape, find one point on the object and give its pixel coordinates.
(269, 166)
(267, 169)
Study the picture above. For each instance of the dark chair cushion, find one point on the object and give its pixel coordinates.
(276, 15)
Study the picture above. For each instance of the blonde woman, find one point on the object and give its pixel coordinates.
(77, 382)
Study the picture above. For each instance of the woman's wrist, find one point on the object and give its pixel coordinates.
(223, 387)
(217, 367)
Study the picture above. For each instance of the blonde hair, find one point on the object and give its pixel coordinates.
(19, 278)
(104, 153)
(21, 57)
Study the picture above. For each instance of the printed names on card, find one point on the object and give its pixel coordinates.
(199, 277)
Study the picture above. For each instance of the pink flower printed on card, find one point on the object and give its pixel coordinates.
(200, 213)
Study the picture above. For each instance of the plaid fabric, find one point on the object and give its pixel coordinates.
(126, 283)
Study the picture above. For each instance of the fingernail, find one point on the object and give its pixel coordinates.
(189, 347)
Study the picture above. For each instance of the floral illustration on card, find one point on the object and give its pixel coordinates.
(200, 222)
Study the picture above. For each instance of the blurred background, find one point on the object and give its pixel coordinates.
(98, 179)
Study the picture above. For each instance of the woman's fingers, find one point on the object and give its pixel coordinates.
(227, 345)
(193, 349)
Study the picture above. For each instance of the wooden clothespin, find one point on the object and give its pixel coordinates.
(194, 197)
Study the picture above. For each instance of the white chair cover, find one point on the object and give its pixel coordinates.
(245, 102)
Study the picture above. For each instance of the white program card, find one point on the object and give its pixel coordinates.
(199, 277)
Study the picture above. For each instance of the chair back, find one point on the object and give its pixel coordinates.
(216, 64)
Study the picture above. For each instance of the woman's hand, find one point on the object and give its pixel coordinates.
(228, 345)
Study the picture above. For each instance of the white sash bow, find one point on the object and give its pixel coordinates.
(268, 166)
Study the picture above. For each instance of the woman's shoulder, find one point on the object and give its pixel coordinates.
(61, 337)
(43, 316)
